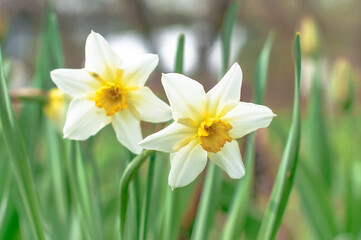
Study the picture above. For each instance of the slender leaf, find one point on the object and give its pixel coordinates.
(208, 203)
(237, 212)
(316, 201)
(149, 183)
(57, 170)
(318, 141)
(260, 79)
(83, 200)
(226, 34)
(20, 161)
(172, 214)
(127, 176)
(179, 55)
(284, 180)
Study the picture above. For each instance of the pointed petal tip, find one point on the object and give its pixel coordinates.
(237, 66)
(92, 32)
(240, 174)
(136, 151)
(142, 143)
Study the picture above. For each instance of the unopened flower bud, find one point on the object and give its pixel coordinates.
(55, 109)
(342, 83)
(309, 37)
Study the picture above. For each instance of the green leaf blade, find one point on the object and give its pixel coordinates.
(20, 161)
(239, 206)
(285, 175)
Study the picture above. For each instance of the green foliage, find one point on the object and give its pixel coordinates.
(238, 209)
(124, 185)
(19, 160)
(51, 188)
(284, 180)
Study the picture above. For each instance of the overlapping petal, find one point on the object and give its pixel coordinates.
(149, 106)
(127, 129)
(171, 138)
(75, 82)
(84, 119)
(229, 159)
(248, 117)
(228, 90)
(137, 73)
(186, 164)
(185, 96)
(100, 58)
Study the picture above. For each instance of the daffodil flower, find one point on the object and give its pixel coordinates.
(206, 125)
(107, 91)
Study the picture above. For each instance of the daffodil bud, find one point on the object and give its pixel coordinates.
(309, 37)
(55, 109)
(342, 83)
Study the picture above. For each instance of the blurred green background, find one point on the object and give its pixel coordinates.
(326, 200)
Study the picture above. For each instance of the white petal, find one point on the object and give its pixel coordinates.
(186, 164)
(228, 90)
(185, 96)
(138, 72)
(100, 58)
(149, 106)
(127, 128)
(171, 138)
(84, 119)
(229, 159)
(248, 117)
(75, 82)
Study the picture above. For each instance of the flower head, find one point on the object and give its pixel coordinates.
(55, 109)
(108, 91)
(206, 125)
(310, 39)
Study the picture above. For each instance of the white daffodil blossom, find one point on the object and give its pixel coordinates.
(107, 91)
(206, 125)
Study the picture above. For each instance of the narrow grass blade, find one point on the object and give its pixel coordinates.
(20, 161)
(149, 183)
(57, 170)
(226, 34)
(49, 56)
(208, 203)
(172, 216)
(284, 180)
(237, 212)
(260, 79)
(316, 201)
(179, 55)
(83, 200)
(127, 176)
(318, 141)
(5, 185)
(56, 50)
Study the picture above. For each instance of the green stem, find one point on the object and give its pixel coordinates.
(127, 176)
(284, 180)
(238, 210)
(149, 184)
(206, 208)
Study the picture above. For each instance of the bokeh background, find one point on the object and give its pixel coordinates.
(330, 33)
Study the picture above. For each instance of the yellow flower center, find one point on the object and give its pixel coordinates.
(213, 134)
(112, 98)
